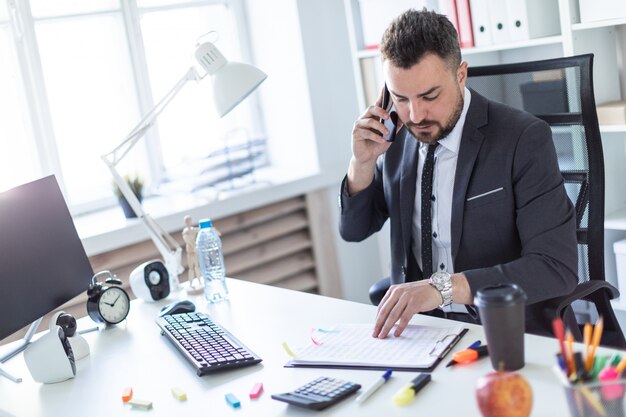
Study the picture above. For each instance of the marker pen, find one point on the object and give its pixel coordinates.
(406, 394)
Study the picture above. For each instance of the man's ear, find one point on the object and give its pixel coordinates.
(461, 74)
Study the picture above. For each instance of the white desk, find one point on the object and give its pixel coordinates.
(262, 317)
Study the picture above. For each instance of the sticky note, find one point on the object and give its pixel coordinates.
(232, 400)
(136, 403)
(256, 390)
(127, 394)
(179, 394)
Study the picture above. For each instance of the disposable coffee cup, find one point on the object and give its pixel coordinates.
(501, 310)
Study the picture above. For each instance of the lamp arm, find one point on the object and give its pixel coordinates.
(119, 152)
(165, 243)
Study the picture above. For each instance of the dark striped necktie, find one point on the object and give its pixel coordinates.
(426, 214)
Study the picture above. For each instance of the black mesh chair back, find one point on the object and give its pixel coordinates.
(560, 92)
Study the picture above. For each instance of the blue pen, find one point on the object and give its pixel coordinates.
(372, 389)
(474, 345)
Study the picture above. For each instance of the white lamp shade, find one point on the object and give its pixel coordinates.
(232, 83)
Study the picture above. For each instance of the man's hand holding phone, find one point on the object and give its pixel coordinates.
(391, 123)
(368, 142)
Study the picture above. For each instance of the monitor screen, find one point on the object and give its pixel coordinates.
(42, 261)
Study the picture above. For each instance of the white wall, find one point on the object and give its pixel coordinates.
(335, 108)
(310, 105)
(274, 30)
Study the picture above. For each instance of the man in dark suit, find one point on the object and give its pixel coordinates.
(472, 188)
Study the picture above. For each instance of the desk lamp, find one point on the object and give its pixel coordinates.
(232, 82)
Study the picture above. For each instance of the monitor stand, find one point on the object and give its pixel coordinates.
(20, 347)
(5, 374)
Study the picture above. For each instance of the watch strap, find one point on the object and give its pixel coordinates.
(444, 288)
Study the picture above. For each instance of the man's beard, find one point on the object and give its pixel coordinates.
(443, 130)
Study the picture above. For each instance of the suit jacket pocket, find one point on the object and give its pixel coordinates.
(485, 198)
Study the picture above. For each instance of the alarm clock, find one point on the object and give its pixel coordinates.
(107, 304)
(150, 281)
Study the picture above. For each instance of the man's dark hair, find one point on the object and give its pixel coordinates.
(414, 34)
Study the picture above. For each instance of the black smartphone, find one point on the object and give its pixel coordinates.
(390, 123)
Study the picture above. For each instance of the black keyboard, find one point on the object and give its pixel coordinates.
(206, 345)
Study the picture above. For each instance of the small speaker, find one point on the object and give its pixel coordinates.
(150, 281)
(50, 358)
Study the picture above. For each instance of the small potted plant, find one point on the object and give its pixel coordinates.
(135, 182)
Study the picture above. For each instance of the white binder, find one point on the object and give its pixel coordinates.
(498, 20)
(480, 23)
(530, 19)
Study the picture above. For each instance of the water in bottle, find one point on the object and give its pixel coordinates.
(211, 262)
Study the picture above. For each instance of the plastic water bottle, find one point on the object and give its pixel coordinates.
(211, 262)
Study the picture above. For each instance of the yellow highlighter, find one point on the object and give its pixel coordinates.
(406, 394)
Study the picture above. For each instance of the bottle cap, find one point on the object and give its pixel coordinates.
(204, 223)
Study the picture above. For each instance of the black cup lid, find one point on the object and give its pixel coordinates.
(499, 296)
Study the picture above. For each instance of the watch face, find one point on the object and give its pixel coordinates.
(440, 278)
(154, 277)
(114, 305)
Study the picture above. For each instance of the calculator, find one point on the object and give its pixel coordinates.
(319, 394)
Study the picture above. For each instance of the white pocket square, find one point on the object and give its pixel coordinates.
(495, 190)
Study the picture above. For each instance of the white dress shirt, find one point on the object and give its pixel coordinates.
(446, 156)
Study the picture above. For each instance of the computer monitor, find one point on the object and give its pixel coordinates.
(42, 261)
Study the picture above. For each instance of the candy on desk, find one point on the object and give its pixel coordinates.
(256, 390)
(136, 403)
(232, 400)
(127, 394)
(179, 394)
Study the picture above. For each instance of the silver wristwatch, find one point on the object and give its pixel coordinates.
(443, 283)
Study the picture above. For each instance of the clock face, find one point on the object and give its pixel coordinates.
(114, 305)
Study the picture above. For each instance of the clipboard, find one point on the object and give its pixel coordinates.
(351, 346)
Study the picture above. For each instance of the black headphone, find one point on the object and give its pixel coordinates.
(67, 322)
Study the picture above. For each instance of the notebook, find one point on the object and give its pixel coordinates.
(419, 348)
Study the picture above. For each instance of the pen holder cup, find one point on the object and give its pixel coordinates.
(597, 399)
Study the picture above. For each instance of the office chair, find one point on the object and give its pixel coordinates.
(560, 92)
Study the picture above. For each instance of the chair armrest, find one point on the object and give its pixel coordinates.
(378, 290)
(555, 306)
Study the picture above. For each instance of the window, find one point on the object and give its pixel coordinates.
(18, 156)
(80, 75)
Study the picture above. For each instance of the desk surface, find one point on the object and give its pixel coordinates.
(262, 317)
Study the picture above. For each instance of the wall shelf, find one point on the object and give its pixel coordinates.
(612, 128)
(549, 40)
(615, 220)
(599, 24)
(619, 304)
(368, 53)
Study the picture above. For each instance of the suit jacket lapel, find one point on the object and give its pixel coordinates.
(471, 142)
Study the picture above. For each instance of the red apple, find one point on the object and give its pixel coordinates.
(504, 394)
